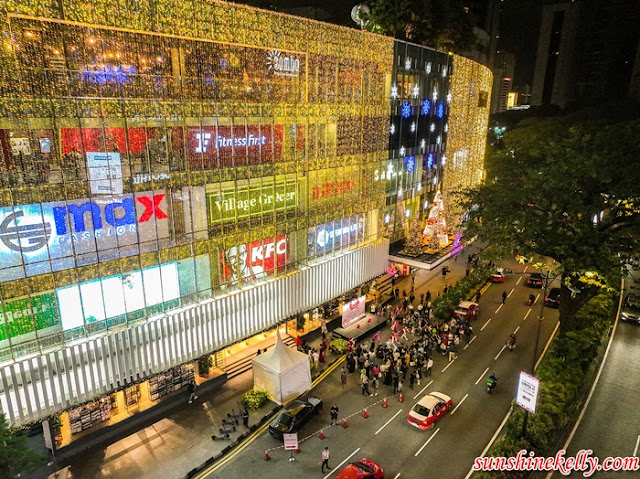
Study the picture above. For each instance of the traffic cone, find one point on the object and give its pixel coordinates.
(344, 423)
(365, 414)
(400, 398)
(267, 457)
(384, 402)
(321, 435)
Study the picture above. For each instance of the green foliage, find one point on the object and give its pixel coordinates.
(16, 456)
(338, 346)
(205, 363)
(440, 24)
(543, 189)
(445, 305)
(254, 399)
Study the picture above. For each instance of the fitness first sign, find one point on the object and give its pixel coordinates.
(79, 232)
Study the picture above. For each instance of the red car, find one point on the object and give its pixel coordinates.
(428, 410)
(497, 277)
(467, 310)
(364, 468)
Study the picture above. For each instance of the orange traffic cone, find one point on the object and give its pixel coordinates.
(400, 398)
(384, 402)
(321, 435)
(344, 423)
(267, 457)
(365, 414)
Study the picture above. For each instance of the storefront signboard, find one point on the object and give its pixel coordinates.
(336, 234)
(65, 234)
(28, 314)
(527, 394)
(105, 173)
(353, 311)
(255, 260)
(244, 203)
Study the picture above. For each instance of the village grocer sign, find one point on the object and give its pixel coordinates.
(246, 202)
(26, 315)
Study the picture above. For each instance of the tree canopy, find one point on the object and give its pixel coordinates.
(565, 188)
(440, 24)
(16, 456)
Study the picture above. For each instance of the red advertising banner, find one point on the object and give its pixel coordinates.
(255, 260)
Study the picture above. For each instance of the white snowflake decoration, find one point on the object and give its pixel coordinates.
(416, 90)
(392, 129)
(407, 63)
(435, 94)
(394, 92)
(432, 128)
(449, 97)
(413, 126)
(387, 218)
(444, 72)
(427, 67)
(438, 140)
(402, 150)
(407, 213)
(423, 144)
(446, 127)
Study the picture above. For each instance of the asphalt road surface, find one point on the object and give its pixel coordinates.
(611, 422)
(449, 448)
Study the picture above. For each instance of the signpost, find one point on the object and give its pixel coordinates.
(527, 394)
(290, 444)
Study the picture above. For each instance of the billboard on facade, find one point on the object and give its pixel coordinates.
(38, 238)
(255, 260)
(105, 173)
(28, 314)
(241, 203)
(353, 311)
(336, 234)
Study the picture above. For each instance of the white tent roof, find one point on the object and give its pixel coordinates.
(281, 358)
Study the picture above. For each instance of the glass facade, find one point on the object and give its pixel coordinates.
(153, 156)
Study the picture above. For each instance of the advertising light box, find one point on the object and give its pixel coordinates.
(25, 315)
(353, 311)
(336, 234)
(255, 260)
(527, 394)
(105, 173)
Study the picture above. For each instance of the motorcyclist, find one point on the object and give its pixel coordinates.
(511, 342)
(492, 382)
(532, 298)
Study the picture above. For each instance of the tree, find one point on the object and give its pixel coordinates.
(413, 246)
(565, 188)
(440, 24)
(16, 455)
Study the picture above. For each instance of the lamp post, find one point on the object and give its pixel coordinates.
(535, 348)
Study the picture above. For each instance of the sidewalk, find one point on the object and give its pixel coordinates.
(182, 441)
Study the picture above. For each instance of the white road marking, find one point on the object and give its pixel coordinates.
(525, 269)
(422, 390)
(498, 355)
(526, 315)
(472, 339)
(428, 441)
(499, 308)
(517, 329)
(482, 375)
(495, 435)
(519, 279)
(483, 326)
(397, 476)
(635, 451)
(335, 468)
(456, 408)
(387, 423)
(447, 366)
(537, 297)
(512, 290)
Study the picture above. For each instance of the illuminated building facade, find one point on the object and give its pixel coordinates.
(176, 177)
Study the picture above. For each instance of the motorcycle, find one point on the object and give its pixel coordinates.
(531, 299)
(511, 343)
(492, 383)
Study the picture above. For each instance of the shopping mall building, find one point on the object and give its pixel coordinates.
(177, 177)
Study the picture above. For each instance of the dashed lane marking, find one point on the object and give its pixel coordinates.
(498, 355)
(526, 315)
(483, 326)
(499, 308)
(482, 375)
(459, 404)
(428, 441)
(517, 329)
(635, 451)
(422, 390)
(387, 423)
(447, 366)
(335, 468)
(510, 292)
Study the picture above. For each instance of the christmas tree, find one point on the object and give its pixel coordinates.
(413, 246)
(435, 232)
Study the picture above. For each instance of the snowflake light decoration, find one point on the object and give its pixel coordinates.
(444, 160)
(407, 63)
(394, 91)
(426, 106)
(440, 110)
(406, 110)
(392, 129)
(413, 127)
(432, 128)
(430, 160)
(407, 213)
(444, 71)
(427, 67)
(438, 140)
(423, 144)
(402, 150)
(446, 127)
(387, 218)
(435, 94)
(449, 97)
(416, 90)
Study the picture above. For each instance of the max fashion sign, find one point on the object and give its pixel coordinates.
(78, 232)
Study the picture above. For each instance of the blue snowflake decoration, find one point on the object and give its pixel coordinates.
(410, 163)
(426, 107)
(430, 160)
(406, 109)
(440, 110)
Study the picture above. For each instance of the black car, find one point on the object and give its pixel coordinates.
(295, 415)
(535, 280)
(553, 298)
(631, 309)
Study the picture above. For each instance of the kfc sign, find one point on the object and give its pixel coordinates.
(255, 260)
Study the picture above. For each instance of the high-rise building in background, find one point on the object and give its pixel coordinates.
(587, 52)
(487, 15)
(503, 71)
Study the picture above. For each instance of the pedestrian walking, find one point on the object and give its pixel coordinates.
(412, 379)
(334, 413)
(397, 293)
(192, 391)
(323, 326)
(478, 294)
(421, 298)
(396, 380)
(376, 384)
(418, 376)
(429, 366)
(365, 386)
(504, 296)
(343, 378)
(446, 288)
(427, 297)
(244, 413)
(325, 459)
(452, 352)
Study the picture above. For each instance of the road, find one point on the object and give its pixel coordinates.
(448, 449)
(611, 422)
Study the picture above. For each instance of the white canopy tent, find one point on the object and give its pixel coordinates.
(283, 373)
